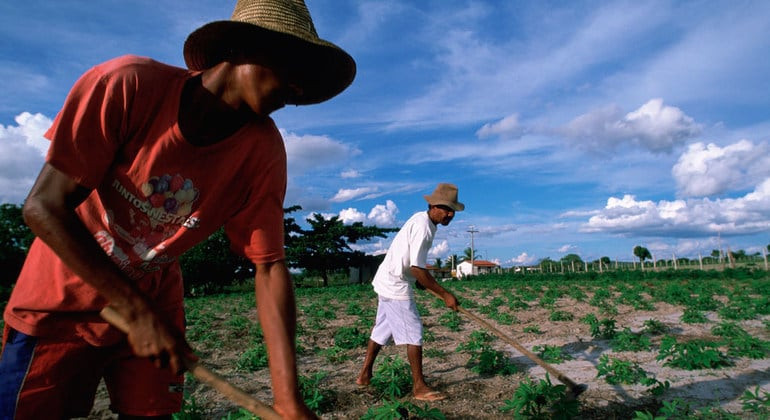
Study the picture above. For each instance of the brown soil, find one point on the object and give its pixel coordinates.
(479, 397)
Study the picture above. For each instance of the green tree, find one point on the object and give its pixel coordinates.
(452, 261)
(211, 265)
(438, 263)
(324, 248)
(15, 239)
(467, 254)
(292, 233)
(642, 253)
(572, 258)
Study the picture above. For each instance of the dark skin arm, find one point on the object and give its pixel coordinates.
(278, 316)
(424, 277)
(49, 211)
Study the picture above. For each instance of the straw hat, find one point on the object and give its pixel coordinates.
(280, 29)
(445, 194)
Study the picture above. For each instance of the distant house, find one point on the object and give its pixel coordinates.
(479, 267)
(439, 273)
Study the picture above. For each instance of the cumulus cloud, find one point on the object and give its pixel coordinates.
(523, 259)
(22, 153)
(567, 248)
(381, 215)
(384, 215)
(704, 170)
(654, 127)
(507, 127)
(685, 218)
(307, 153)
(439, 250)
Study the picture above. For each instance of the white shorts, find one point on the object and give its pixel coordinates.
(399, 320)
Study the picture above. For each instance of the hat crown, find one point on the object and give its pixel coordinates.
(445, 194)
(287, 16)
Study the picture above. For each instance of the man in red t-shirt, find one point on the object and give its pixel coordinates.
(147, 160)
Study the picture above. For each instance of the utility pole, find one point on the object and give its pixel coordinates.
(471, 230)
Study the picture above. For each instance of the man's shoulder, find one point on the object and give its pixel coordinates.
(134, 65)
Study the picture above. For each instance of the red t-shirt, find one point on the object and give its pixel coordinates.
(155, 194)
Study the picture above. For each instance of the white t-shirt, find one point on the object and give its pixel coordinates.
(394, 279)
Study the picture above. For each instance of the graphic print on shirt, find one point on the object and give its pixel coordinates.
(149, 217)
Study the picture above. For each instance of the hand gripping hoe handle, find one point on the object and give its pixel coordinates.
(206, 376)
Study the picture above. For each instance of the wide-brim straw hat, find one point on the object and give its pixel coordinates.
(282, 29)
(445, 194)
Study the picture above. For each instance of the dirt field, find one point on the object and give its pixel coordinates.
(480, 397)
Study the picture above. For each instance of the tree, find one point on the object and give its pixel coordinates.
(15, 239)
(468, 254)
(642, 253)
(438, 263)
(324, 247)
(451, 261)
(211, 265)
(572, 260)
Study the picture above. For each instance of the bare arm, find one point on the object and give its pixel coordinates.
(424, 277)
(50, 213)
(278, 316)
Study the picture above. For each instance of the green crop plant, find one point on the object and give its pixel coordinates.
(504, 318)
(601, 296)
(435, 353)
(317, 398)
(477, 340)
(335, 354)
(254, 358)
(190, 409)
(541, 400)
(561, 316)
(691, 355)
(450, 320)
(755, 403)
(488, 361)
(626, 340)
(740, 343)
(738, 309)
(552, 354)
(654, 327)
(350, 338)
(671, 410)
(604, 329)
(693, 316)
(394, 409)
(392, 377)
(617, 371)
(534, 329)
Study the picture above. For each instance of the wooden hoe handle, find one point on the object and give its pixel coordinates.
(206, 376)
(531, 356)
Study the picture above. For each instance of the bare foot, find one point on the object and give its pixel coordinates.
(430, 396)
(363, 379)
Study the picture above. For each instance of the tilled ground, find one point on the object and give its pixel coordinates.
(473, 396)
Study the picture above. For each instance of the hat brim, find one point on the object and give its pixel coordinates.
(321, 69)
(456, 206)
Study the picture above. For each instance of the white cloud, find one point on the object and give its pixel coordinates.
(704, 170)
(350, 173)
(653, 127)
(439, 250)
(685, 218)
(567, 248)
(523, 259)
(384, 215)
(381, 215)
(308, 153)
(347, 194)
(22, 153)
(507, 127)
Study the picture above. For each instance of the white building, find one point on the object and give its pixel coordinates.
(479, 267)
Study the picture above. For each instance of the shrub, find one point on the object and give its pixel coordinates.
(692, 355)
(541, 400)
(393, 377)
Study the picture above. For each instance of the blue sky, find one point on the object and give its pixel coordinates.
(583, 127)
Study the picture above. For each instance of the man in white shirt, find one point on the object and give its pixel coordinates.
(404, 264)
